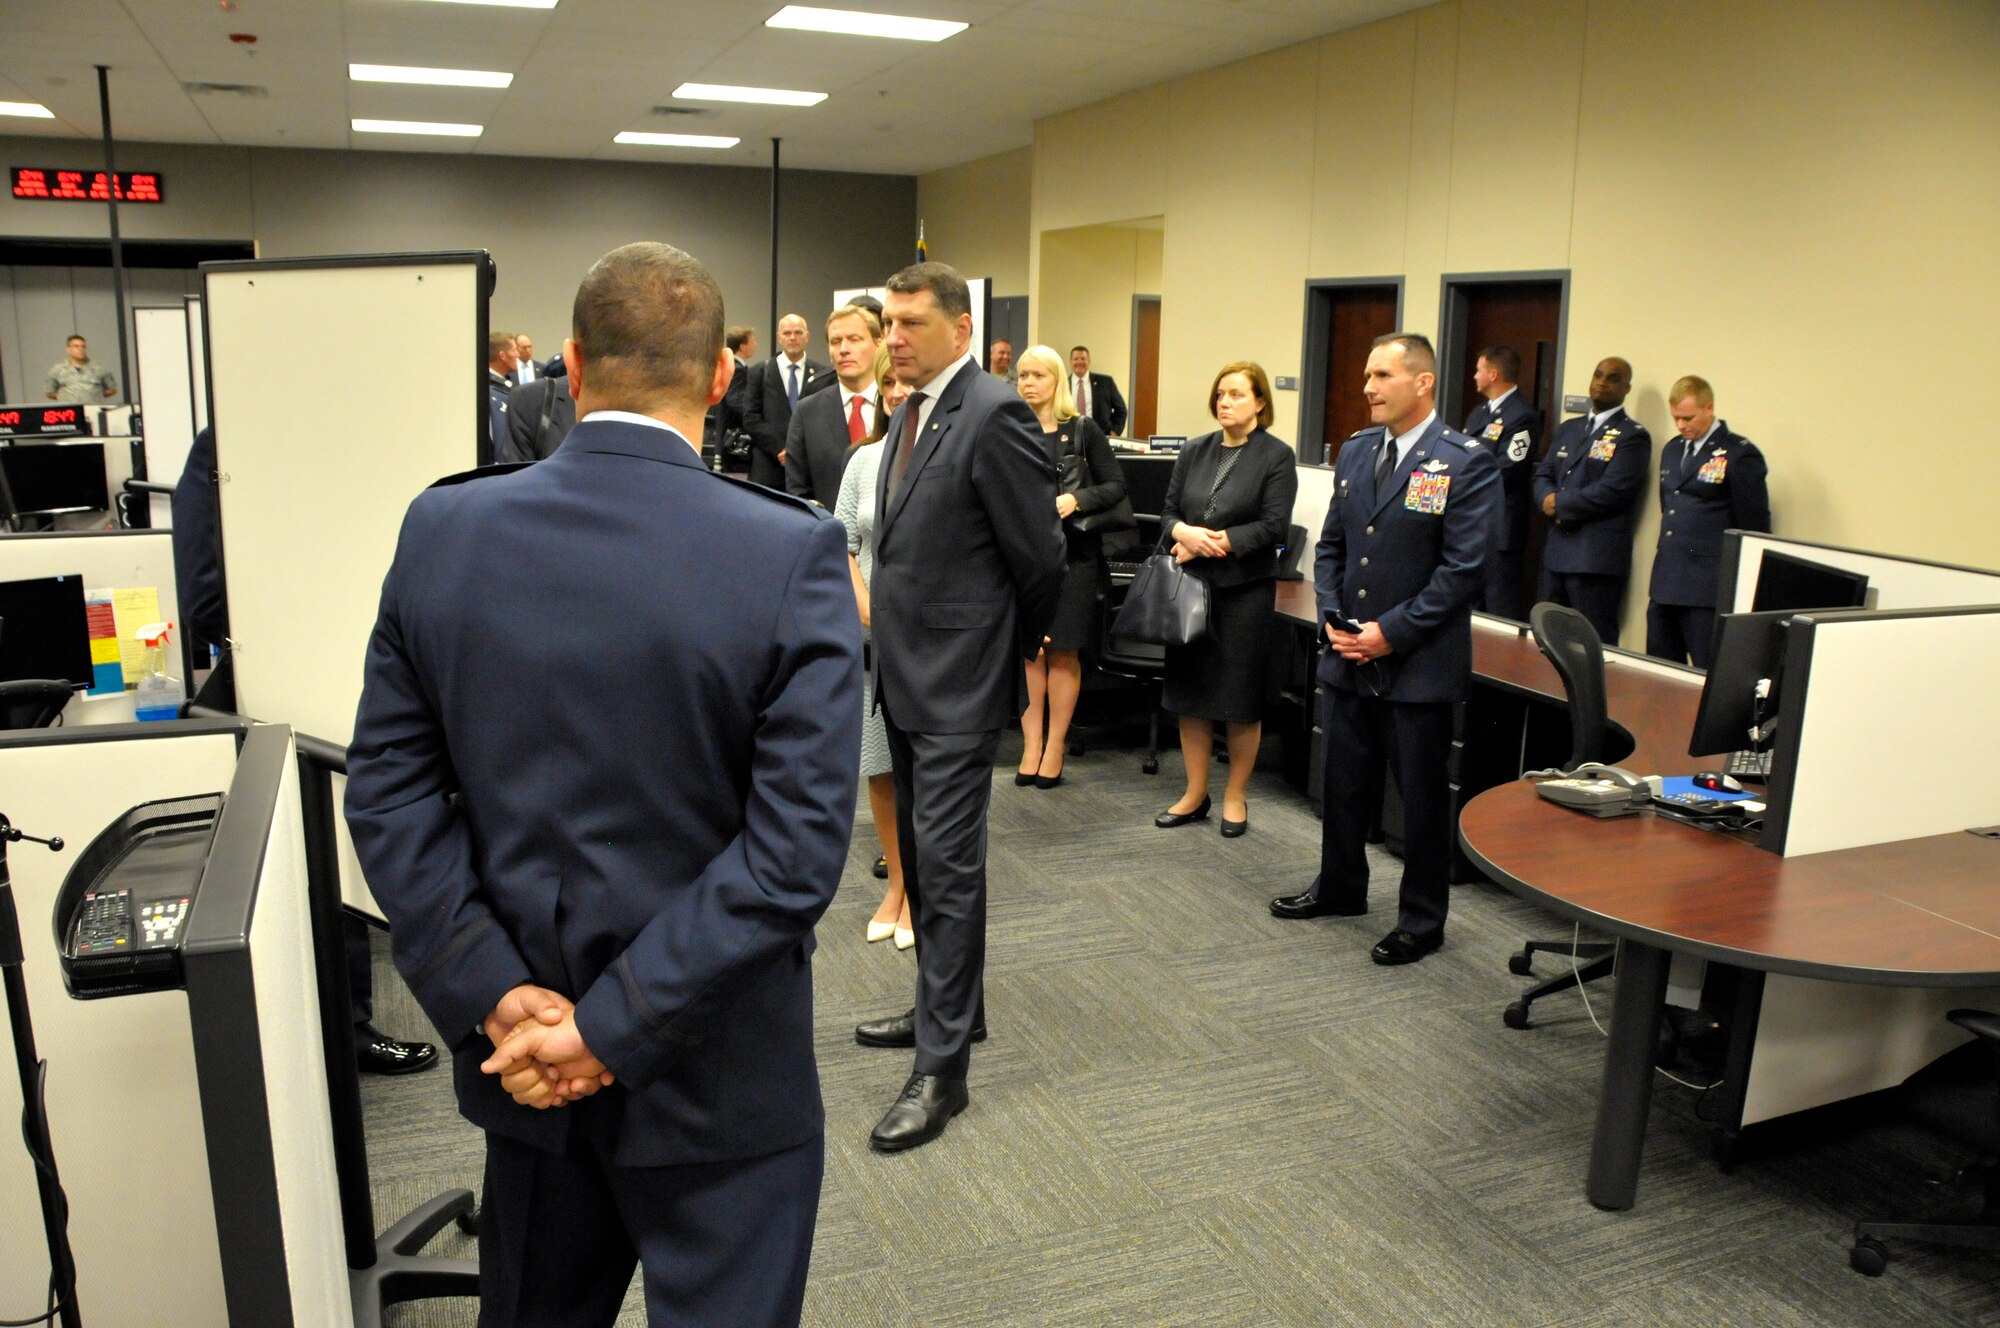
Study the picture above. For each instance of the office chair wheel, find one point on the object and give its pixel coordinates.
(1521, 965)
(468, 1221)
(1869, 1257)
(1516, 1015)
(1150, 767)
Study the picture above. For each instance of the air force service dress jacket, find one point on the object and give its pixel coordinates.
(1408, 557)
(625, 770)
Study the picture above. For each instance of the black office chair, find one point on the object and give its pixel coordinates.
(1134, 661)
(32, 703)
(1957, 1095)
(1571, 644)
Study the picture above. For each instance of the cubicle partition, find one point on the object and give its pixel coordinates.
(312, 499)
(1894, 582)
(106, 560)
(190, 1128)
(166, 398)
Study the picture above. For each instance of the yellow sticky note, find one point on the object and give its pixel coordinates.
(133, 609)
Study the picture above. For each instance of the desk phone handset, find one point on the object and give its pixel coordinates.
(1600, 790)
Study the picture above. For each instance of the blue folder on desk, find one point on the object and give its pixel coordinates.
(1673, 784)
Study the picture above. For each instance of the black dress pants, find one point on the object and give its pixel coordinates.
(1598, 598)
(723, 1244)
(1682, 633)
(1412, 740)
(360, 969)
(1502, 592)
(944, 784)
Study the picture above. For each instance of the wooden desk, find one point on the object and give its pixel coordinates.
(1916, 913)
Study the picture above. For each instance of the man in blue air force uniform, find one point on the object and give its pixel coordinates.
(1401, 556)
(1507, 426)
(1589, 486)
(1711, 480)
(603, 800)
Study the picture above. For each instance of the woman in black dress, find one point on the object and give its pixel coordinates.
(1089, 480)
(1227, 511)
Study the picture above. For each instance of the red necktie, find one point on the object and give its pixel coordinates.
(856, 430)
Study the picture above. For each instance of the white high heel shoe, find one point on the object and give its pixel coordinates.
(880, 931)
(905, 938)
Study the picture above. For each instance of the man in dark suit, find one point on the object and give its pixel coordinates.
(1096, 394)
(525, 370)
(539, 416)
(1506, 425)
(827, 425)
(1400, 557)
(773, 391)
(726, 415)
(969, 557)
(1711, 480)
(1588, 486)
(604, 798)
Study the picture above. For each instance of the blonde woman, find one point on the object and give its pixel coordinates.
(1089, 480)
(855, 509)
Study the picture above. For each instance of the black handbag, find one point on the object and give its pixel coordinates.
(1118, 516)
(1166, 606)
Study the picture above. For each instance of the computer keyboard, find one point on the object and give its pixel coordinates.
(1123, 570)
(1749, 765)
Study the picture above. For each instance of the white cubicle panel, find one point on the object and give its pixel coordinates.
(166, 397)
(1895, 582)
(1888, 728)
(124, 1111)
(197, 330)
(1309, 508)
(106, 560)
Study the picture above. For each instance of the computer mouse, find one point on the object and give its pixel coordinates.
(1715, 779)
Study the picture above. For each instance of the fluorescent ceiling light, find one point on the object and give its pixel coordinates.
(854, 23)
(504, 4)
(634, 138)
(761, 96)
(443, 78)
(34, 110)
(417, 127)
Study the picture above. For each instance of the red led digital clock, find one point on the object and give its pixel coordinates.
(47, 184)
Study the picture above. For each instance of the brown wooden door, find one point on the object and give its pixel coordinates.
(1358, 315)
(1145, 367)
(1526, 315)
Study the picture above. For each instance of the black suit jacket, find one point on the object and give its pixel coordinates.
(526, 440)
(816, 446)
(1254, 505)
(1107, 406)
(969, 560)
(636, 789)
(1510, 436)
(767, 412)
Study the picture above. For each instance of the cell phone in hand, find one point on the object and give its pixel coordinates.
(1340, 622)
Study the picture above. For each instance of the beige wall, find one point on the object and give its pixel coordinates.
(1089, 275)
(1802, 212)
(975, 218)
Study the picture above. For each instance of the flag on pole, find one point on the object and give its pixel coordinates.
(923, 254)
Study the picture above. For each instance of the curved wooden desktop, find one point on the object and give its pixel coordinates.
(1913, 913)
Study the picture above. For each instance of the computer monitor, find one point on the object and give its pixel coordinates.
(1788, 582)
(56, 477)
(1146, 481)
(43, 630)
(1749, 655)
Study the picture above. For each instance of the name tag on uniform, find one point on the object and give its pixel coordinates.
(1493, 431)
(1427, 493)
(1603, 450)
(1712, 470)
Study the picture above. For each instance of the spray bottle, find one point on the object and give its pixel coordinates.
(160, 693)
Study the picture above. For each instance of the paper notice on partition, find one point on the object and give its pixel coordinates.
(132, 610)
(107, 676)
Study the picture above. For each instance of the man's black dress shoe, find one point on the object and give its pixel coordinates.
(1403, 947)
(1304, 905)
(882, 868)
(899, 1031)
(377, 1054)
(928, 1103)
(1171, 820)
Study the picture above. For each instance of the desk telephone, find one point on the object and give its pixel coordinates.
(122, 914)
(1600, 790)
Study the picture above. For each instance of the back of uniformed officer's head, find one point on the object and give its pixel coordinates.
(648, 325)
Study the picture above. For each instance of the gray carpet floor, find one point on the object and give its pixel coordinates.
(1190, 1112)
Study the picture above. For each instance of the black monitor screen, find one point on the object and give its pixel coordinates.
(43, 631)
(1786, 582)
(1749, 647)
(1146, 481)
(56, 477)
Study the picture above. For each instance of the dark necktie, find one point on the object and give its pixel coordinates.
(792, 385)
(906, 444)
(1385, 465)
